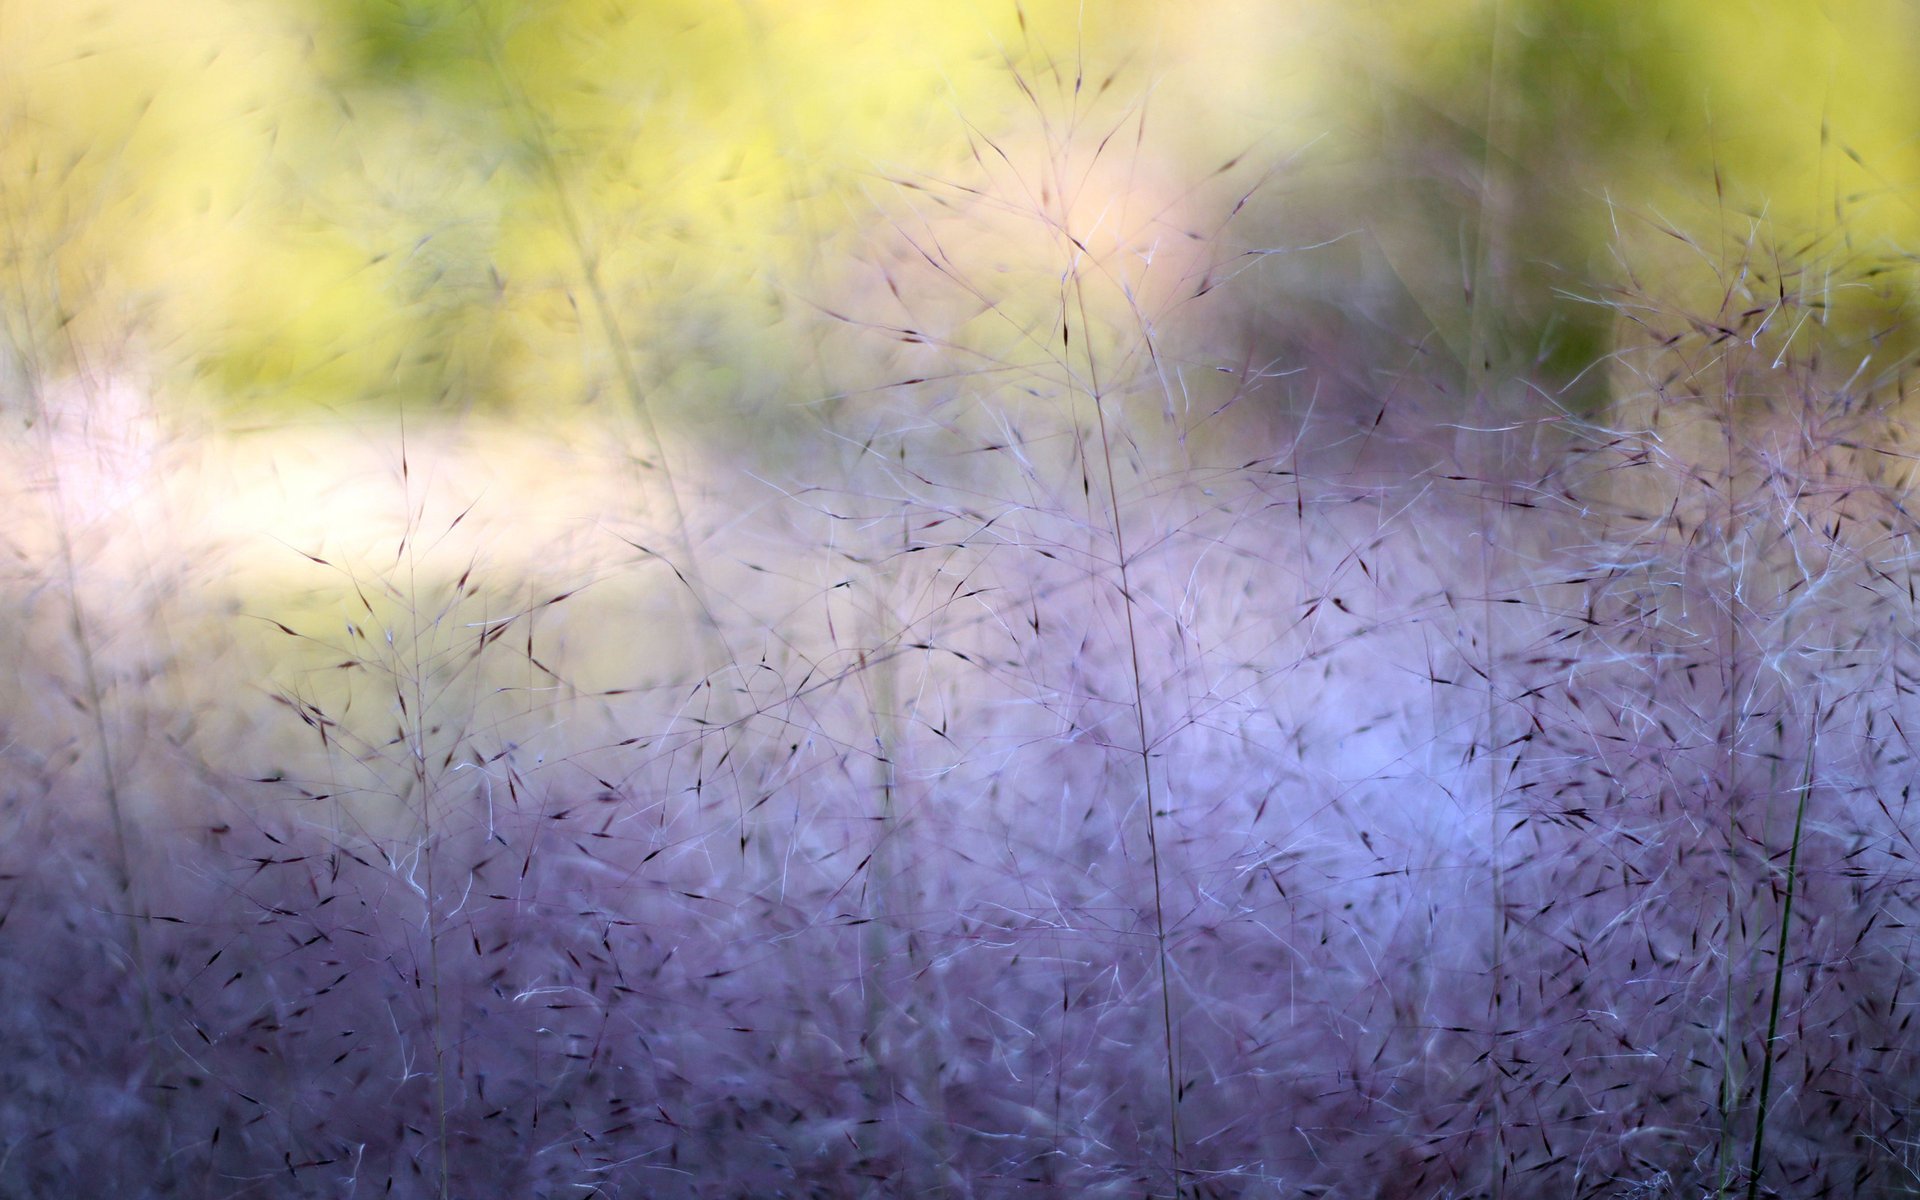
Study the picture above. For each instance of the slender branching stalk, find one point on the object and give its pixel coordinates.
(410, 695)
(1128, 602)
(685, 558)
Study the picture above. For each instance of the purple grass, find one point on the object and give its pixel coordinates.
(1086, 763)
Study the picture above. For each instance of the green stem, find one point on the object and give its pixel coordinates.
(1780, 961)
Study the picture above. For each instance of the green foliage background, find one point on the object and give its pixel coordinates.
(349, 205)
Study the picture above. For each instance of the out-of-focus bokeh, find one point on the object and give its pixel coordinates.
(711, 597)
(283, 209)
(286, 280)
(291, 280)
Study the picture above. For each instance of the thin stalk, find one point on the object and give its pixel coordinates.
(885, 904)
(1730, 655)
(408, 672)
(126, 879)
(1479, 358)
(589, 264)
(1497, 964)
(424, 783)
(1780, 958)
(607, 315)
(1146, 745)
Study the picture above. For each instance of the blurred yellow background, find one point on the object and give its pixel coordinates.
(350, 205)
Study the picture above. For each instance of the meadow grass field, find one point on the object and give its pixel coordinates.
(1102, 744)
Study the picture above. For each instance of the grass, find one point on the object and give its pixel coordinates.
(1093, 762)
